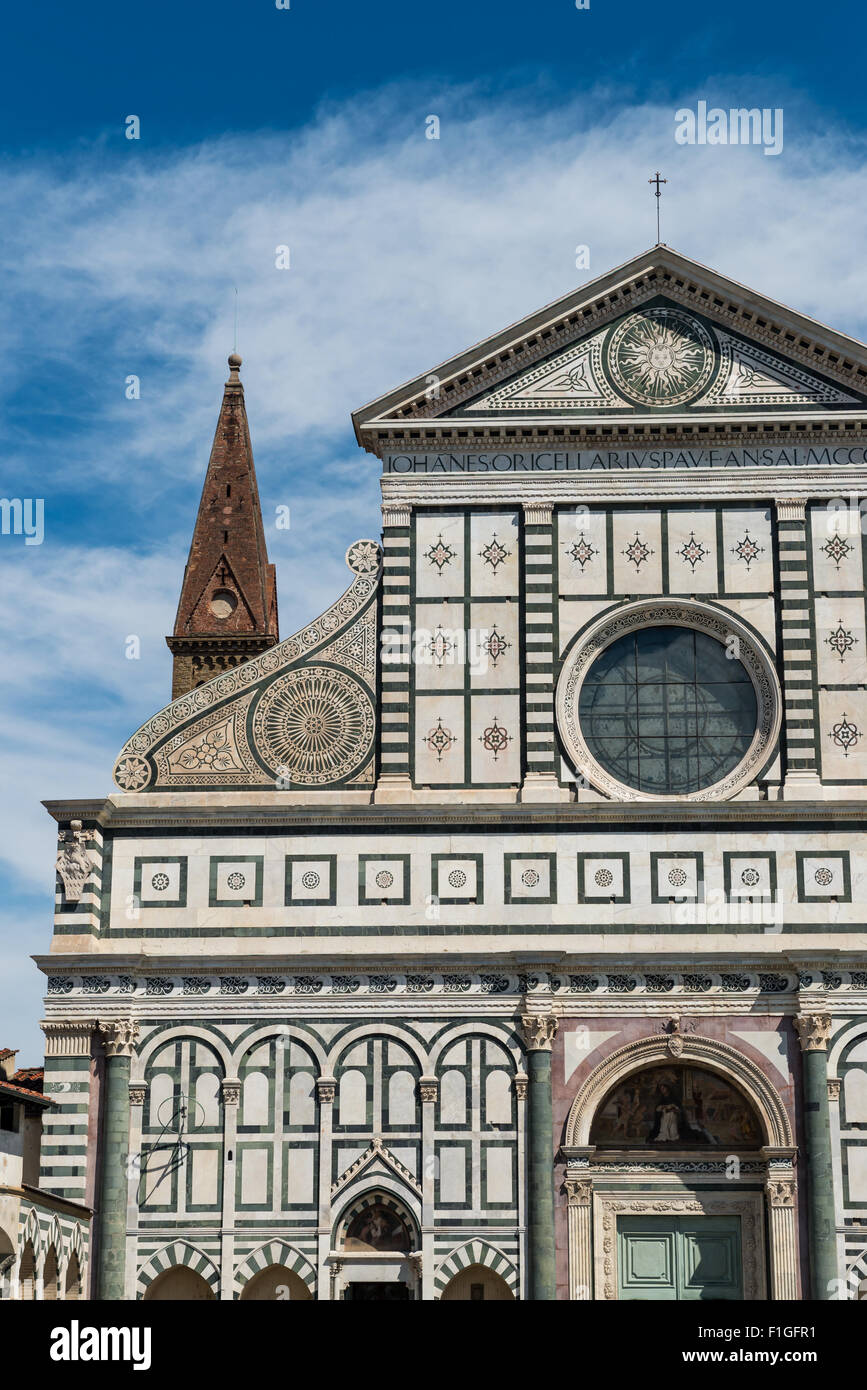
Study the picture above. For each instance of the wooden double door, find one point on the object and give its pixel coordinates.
(679, 1257)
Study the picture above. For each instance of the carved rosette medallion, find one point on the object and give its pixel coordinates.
(314, 725)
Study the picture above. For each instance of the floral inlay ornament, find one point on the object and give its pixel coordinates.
(495, 739)
(747, 549)
(384, 879)
(836, 549)
(494, 553)
(440, 740)
(530, 878)
(235, 881)
(676, 877)
(310, 880)
(457, 878)
(316, 724)
(210, 751)
(364, 557)
(824, 876)
(440, 554)
(132, 774)
(841, 640)
(845, 734)
(637, 552)
(603, 878)
(750, 877)
(692, 552)
(495, 645)
(582, 551)
(440, 646)
(160, 882)
(661, 357)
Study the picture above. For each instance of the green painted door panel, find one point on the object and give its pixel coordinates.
(680, 1258)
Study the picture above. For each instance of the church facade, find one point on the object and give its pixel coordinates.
(500, 934)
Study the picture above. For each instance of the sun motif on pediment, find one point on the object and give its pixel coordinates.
(661, 357)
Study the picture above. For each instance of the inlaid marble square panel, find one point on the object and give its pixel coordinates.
(843, 735)
(603, 878)
(383, 878)
(575, 615)
(311, 881)
(837, 549)
(582, 551)
(160, 882)
(692, 557)
(637, 552)
(823, 876)
(494, 648)
(457, 878)
(439, 749)
(439, 646)
(530, 877)
(748, 552)
(439, 555)
(750, 875)
(678, 876)
(235, 881)
(494, 553)
(495, 733)
(841, 648)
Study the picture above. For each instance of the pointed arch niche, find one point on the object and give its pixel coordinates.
(752, 1178)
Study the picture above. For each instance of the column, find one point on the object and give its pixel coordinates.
(428, 1088)
(538, 1032)
(579, 1194)
(137, 1098)
(782, 1238)
(540, 778)
(801, 779)
(394, 779)
(814, 1031)
(326, 1092)
(231, 1089)
(119, 1038)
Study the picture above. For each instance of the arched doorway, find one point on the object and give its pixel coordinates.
(275, 1283)
(27, 1272)
(478, 1284)
(679, 1157)
(180, 1284)
(49, 1277)
(73, 1278)
(376, 1254)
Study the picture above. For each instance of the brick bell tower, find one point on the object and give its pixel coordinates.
(228, 606)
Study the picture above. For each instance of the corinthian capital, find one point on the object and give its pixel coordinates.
(119, 1036)
(814, 1031)
(538, 1031)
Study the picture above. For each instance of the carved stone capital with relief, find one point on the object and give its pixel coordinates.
(520, 1081)
(814, 1031)
(538, 1031)
(833, 1088)
(396, 514)
(137, 1092)
(790, 508)
(119, 1036)
(578, 1191)
(428, 1089)
(781, 1192)
(326, 1089)
(68, 1037)
(231, 1088)
(538, 513)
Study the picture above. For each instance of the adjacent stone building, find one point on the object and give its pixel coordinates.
(500, 934)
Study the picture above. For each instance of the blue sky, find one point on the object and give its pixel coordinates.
(262, 127)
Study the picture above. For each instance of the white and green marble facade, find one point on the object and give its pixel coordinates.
(413, 963)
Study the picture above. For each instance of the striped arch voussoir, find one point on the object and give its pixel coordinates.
(276, 1252)
(180, 1252)
(476, 1252)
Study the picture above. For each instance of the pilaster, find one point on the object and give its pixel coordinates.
(231, 1095)
(538, 1032)
(579, 1197)
(395, 654)
(119, 1037)
(540, 778)
(814, 1031)
(801, 781)
(326, 1093)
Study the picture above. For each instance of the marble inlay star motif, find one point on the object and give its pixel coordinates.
(495, 739)
(440, 740)
(837, 549)
(495, 645)
(845, 734)
(582, 551)
(494, 553)
(692, 552)
(637, 552)
(841, 640)
(440, 554)
(440, 646)
(747, 549)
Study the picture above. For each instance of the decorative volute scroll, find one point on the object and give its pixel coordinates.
(299, 716)
(814, 1031)
(74, 865)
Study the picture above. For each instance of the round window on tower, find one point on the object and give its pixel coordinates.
(668, 700)
(223, 603)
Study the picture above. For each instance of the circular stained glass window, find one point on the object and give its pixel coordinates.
(667, 711)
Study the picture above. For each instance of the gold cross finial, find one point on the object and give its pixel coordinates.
(657, 180)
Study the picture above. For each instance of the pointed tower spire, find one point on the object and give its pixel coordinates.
(228, 606)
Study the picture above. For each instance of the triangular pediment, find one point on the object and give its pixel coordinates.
(660, 336)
